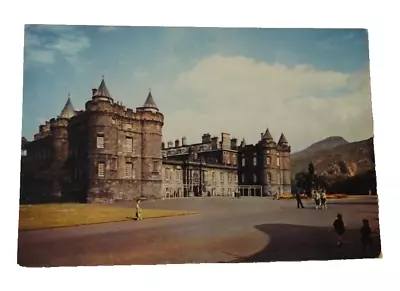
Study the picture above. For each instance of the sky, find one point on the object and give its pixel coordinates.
(307, 83)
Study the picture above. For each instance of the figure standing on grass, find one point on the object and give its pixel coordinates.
(298, 199)
(138, 210)
(338, 225)
(366, 235)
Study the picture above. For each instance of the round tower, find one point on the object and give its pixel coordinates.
(284, 151)
(102, 144)
(152, 121)
(269, 174)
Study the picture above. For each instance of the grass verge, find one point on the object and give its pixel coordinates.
(44, 216)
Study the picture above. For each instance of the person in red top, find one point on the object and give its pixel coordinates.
(338, 225)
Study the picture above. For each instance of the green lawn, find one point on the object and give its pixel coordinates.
(44, 216)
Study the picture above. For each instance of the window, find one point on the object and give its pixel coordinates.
(223, 191)
(222, 177)
(129, 144)
(114, 164)
(178, 175)
(255, 178)
(279, 178)
(268, 160)
(243, 162)
(100, 169)
(100, 141)
(167, 174)
(205, 176)
(236, 178)
(277, 161)
(228, 159)
(255, 161)
(268, 178)
(234, 159)
(213, 176)
(155, 166)
(128, 170)
(243, 178)
(196, 177)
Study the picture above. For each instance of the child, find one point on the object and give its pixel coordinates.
(366, 234)
(138, 210)
(339, 228)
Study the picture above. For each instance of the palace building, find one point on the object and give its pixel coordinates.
(108, 152)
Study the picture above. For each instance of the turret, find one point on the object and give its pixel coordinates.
(283, 148)
(60, 146)
(152, 121)
(102, 93)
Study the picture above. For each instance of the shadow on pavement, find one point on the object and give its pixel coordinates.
(351, 203)
(290, 242)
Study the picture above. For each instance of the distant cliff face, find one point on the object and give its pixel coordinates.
(336, 157)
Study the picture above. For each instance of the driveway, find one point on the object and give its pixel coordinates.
(225, 230)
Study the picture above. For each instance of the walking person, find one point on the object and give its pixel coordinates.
(298, 199)
(366, 232)
(338, 225)
(138, 210)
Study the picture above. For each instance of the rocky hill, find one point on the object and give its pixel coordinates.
(334, 156)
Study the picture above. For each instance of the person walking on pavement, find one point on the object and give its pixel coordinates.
(298, 199)
(338, 225)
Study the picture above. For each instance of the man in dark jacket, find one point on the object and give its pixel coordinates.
(338, 225)
(298, 199)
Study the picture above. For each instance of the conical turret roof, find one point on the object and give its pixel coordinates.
(149, 103)
(267, 135)
(68, 110)
(282, 139)
(102, 91)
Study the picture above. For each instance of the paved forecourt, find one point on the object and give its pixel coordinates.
(225, 230)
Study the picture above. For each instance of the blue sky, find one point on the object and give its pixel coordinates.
(307, 83)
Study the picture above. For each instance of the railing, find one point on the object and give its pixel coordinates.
(187, 191)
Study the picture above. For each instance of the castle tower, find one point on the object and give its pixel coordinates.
(269, 172)
(60, 144)
(151, 122)
(102, 145)
(285, 163)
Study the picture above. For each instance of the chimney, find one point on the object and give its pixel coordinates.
(163, 145)
(234, 143)
(206, 138)
(170, 144)
(226, 141)
(214, 143)
(184, 141)
(94, 92)
(177, 143)
(42, 128)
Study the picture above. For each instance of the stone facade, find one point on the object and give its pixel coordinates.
(108, 152)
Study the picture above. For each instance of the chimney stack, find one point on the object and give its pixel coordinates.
(94, 92)
(177, 143)
(163, 145)
(206, 138)
(184, 141)
(226, 141)
(170, 144)
(234, 143)
(214, 143)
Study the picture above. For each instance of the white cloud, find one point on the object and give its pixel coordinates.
(243, 97)
(43, 43)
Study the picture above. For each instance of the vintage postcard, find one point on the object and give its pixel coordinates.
(157, 145)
